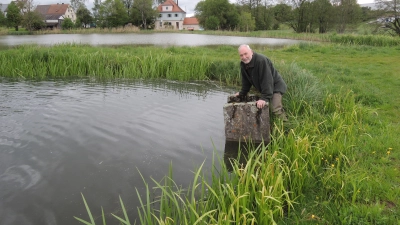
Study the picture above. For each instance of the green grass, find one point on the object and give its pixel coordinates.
(337, 162)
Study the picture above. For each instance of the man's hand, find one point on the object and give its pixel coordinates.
(237, 94)
(260, 104)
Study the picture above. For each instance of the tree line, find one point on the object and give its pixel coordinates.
(245, 15)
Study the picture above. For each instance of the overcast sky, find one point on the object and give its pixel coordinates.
(187, 5)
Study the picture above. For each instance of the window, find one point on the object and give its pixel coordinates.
(176, 15)
(166, 8)
(169, 15)
(160, 15)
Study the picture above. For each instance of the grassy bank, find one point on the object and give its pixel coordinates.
(337, 164)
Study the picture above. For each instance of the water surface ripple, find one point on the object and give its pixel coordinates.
(60, 139)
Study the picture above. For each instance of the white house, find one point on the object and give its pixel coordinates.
(170, 16)
(55, 14)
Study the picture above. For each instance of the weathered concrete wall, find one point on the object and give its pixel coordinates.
(244, 121)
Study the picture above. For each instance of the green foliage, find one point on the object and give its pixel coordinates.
(84, 16)
(112, 13)
(212, 23)
(14, 16)
(246, 22)
(67, 24)
(143, 13)
(3, 20)
(209, 12)
(33, 20)
(347, 13)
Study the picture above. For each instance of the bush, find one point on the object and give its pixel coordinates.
(67, 24)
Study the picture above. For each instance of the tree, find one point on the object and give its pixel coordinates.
(347, 12)
(225, 12)
(75, 4)
(391, 9)
(128, 5)
(3, 20)
(96, 10)
(33, 20)
(324, 14)
(84, 15)
(112, 13)
(143, 13)
(14, 16)
(247, 22)
(212, 23)
(67, 24)
(301, 16)
(282, 12)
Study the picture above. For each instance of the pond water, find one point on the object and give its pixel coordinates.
(59, 139)
(159, 39)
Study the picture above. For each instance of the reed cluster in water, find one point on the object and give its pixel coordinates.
(76, 61)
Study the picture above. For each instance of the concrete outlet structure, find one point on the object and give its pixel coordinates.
(245, 122)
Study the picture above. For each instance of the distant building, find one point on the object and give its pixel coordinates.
(3, 8)
(55, 14)
(191, 23)
(171, 16)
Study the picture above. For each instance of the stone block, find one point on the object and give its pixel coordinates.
(245, 122)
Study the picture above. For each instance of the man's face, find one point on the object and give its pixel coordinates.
(245, 54)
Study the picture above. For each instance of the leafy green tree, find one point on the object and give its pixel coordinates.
(212, 23)
(263, 17)
(246, 22)
(14, 16)
(67, 24)
(225, 12)
(112, 13)
(33, 20)
(301, 16)
(84, 15)
(96, 10)
(282, 12)
(143, 14)
(128, 5)
(324, 14)
(348, 12)
(3, 21)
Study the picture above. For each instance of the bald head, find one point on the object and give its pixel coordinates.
(245, 53)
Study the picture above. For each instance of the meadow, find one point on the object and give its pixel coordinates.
(336, 162)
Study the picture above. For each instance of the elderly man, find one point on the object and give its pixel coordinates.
(257, 70)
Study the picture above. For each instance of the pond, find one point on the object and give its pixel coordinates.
(158, 39)
(59, 139)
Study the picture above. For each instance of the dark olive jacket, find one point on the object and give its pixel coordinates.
(263, 76)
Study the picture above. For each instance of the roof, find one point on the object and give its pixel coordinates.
(175, 7)
(54, 10)
(190, 21)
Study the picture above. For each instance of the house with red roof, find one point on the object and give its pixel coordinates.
(55, 14)
(171, 16)
(191, 23)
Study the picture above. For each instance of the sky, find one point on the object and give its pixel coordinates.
(186, 5)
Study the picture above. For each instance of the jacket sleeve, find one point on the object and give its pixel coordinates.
(266, 81)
